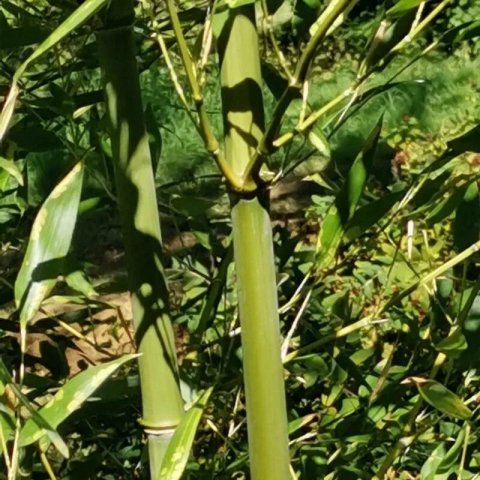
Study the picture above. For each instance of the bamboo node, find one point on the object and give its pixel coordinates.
(159, 432)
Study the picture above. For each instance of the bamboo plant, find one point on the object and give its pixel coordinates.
(247, 146)
(161, 399)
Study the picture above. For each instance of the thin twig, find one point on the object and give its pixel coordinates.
(266, 147)
(301, 310)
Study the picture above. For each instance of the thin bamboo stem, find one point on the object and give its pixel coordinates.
(161, 400)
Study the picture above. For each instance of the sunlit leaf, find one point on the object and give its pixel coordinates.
(70, 398)
(455, 342)
(178, 449)
(346, 202)
(239, 3)
(453, 453)
(318, 139)
(11, 168)
(440, 397)
(403, 6)
(37, 419)
(48, 245)
(75, 20)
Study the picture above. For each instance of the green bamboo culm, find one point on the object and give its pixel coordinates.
(253, 250)
(161, 400)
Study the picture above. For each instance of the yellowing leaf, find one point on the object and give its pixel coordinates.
(70, 398)
(48, 244)
(440, 397)
(178, 449)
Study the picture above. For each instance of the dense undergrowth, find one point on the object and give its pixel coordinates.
(373, 338)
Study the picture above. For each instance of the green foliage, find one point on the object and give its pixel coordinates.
(179, 447)
(377, 313)
(70, 398)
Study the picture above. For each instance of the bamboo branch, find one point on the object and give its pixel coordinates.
(266, 147)
(269, 28)
(421, 25)
(211, 143)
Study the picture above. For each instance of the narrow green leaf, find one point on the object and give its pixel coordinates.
(300, 422)
(368, 215)
(403, 6)
(430, 467)
(50, 431)
(178, 449)
(467, 142)
(75, 20)
(347, 199)
(11, 168)
(70, 398)
(318, 139)
(388, 35)
(8, 109)
(48, 245)
(455, 342)
(447, 206)
(449, 459)
(466, 227)
(441, 398)
(215, 291)
(239, 3)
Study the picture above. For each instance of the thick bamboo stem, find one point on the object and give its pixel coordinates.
(161, 400)
(253, 252)
(263, 369)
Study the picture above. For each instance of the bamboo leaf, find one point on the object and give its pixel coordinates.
(403, 6)
(50, 431)
(178, 449)
(215, 291)
(48, 245)
(239, 3)
(451, 456)
(387, 36)
(447, 206)
(455, 342)
(317, 138)
(466, 227)
(368, 215)
(73, 21)
(440, 397)
(70, 398)
(430, 467)
(11, 168)
(347, 199)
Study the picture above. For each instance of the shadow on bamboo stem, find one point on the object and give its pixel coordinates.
(243, 118)
(135, 188)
